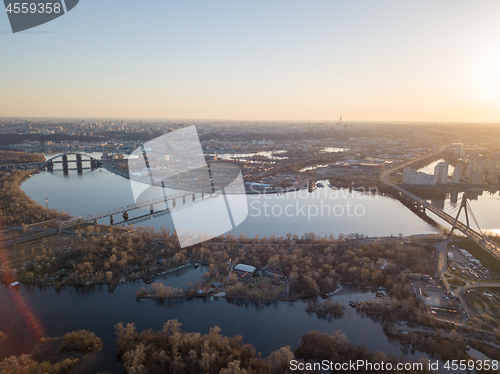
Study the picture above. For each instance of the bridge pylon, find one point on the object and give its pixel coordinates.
(465, 207)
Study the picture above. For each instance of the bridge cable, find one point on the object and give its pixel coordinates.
(469, 208)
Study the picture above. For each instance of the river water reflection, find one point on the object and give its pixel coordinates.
(267, 327)
(324, 211)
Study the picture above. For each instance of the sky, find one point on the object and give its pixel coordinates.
(379, 60)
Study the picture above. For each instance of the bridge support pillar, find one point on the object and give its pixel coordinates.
(50, 166)
(95, 221)
(183, 200)
(65, 164)
(151, 210)
(173, 202)
(93, 164)
(79, 165)
(194, 196)
(110, 220)
(202, 195)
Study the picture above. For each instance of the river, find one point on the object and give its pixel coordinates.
(266, 327)
(30, 312)
(323, 212)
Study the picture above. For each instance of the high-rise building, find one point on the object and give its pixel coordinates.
(460, 151)
(475, 178)
(475, 173)
(470, 169)
(441, 172)
(456, 174)
(411, 176)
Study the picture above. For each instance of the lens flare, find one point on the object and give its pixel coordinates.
(20, 322)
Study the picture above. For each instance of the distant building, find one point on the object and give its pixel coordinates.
(474, 178)
(457, 171)
(245, 268)
(413, 177)
(470, 169)
(441, 172)
(421, 277)
(272, 272)
(460, 151)
(475, 173)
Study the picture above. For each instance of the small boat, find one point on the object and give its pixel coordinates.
(147, 280)
(352, 303)
(320, 185)
(330, 185)
(196, 265)
(14, 284)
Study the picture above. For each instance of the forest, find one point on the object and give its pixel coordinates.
(16, 208)
(173, 351)
(13, 157)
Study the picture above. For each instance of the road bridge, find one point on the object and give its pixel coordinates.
(421, 205)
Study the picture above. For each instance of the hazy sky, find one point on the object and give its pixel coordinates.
(425, 60)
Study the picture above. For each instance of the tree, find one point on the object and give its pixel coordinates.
(233, 278)
(233, 368)
(280, 360)
(134, 360)
(81, 341)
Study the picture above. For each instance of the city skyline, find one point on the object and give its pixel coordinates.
(285, 61)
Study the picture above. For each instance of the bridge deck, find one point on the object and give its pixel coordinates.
(474, 235)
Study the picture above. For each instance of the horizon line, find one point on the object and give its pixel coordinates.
(253, 120)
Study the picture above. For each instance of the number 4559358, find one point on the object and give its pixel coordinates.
(33, 8)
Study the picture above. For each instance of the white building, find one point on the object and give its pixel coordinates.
(457, 171)
(441, 172)
(460, 151)
(413, 177)
(245, 268)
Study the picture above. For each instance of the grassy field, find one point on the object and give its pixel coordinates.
(486, 303)
(456, 282)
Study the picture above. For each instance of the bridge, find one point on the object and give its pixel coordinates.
(81, 158)
(421, 205)
(63, 159)
(178, 201)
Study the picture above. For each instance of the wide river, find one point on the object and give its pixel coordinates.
(28, 313)
(324, 211)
